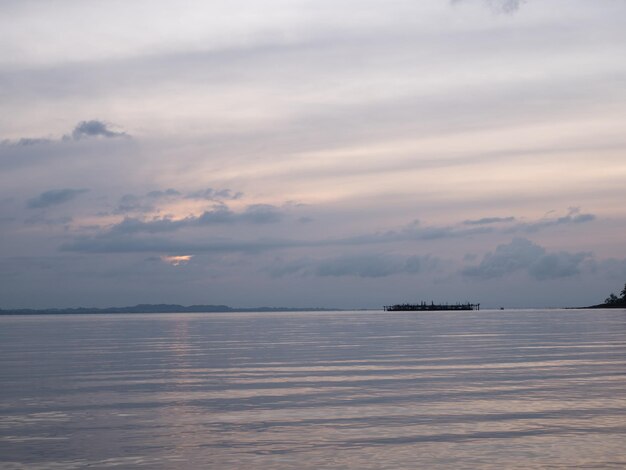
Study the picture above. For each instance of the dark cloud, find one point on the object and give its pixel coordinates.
(503, 6)
(219, 214)
(488, 220)
(144, 204)
(613, 268)
(262, 214)
(523, 255)
(506, 6)
(363, 265)
(115, 242)
(42, 220)
(29, 151)
(557, 265)
(27, 142)
(132, 225)
(139, 234)
(94, 128)
(131, 203)
(83, 129)
(282, 269)
(259, 214)
(574, 216)
(166, 193)
(147, 203)
(54, 197)
(211, 194)
(518, 254)
(415, 231)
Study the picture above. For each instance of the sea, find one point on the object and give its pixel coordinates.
(512, 389)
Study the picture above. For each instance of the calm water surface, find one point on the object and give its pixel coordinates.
(362, 390)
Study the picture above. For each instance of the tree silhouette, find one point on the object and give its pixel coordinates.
(615, 300)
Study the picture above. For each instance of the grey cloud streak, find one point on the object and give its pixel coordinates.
(82, 130)
(211, 194)
(220, 214)
(372, 265)
(488, 220)
(122, 243)
(574, 216)
(503, 6)
(54, 197)
(94, 128)
(506, 6)
(120, 237)
(487, 225)
(130, 203)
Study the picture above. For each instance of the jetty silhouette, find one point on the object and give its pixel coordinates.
(424, 307)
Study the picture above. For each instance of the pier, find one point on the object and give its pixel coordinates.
(424, 307)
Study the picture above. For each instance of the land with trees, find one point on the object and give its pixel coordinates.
(613, 301)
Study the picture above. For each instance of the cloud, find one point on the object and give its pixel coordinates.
(614, 268)
(489, 220)
(132, 225)
(160, 235)
(166, 193)
(83, 129)
(361, 266)
(468, 228)
(146, 203)
(573, 216)
(27, 142)
(211, 194)
(414, 231)
(123, 243)
(523, 255)
(41, 220)
(505, 6)
(131, 203)
(501, 6)
(219, 214)
(261, 214)
(94, 128)
(54, 197)
(557, 265)
(364, 265)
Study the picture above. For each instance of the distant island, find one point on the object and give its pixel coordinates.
(156, 308)
(613, 301)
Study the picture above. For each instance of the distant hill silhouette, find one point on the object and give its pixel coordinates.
(154, 308)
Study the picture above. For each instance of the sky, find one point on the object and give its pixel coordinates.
(312, 153)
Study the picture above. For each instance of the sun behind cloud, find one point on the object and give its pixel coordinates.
(176, 260)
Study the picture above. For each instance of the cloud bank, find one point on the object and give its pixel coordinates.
(54, 197)
(523, 255)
